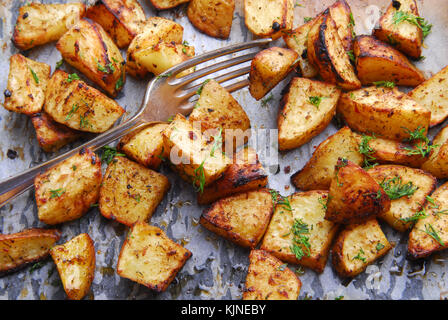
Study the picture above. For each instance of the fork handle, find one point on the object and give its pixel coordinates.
(12, 187)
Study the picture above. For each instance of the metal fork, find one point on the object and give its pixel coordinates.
(166, 95)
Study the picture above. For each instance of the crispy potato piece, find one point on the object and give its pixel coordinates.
(145, 146)
(269, 279)
(318, 172)
(342, 15)
(245, 174)
(354, 195)
(432, 94)
(51, 135)
(75, 261)
(216, 108)
(66, 191)
(121, 19)
(437, 164)
(73, 103)
(42, 23)
(326, 51)
(268, 68)
(214, 18)
(307, 208)
(269, 18)
(357, 246)
(191, 153)
(88, 48)
(130, 192)
(402, 209)
(384, 112)
(405, 36)
(167, 4)
(307, 109)
(378, 61)
(241, 218)
(27, 82)
(28, 246)
(430, 233)
(150, 258)
(153, 31)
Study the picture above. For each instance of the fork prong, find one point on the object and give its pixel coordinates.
(237, 86)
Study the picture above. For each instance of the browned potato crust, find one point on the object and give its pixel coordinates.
(437, 164)
(342, 15)
(167, 4)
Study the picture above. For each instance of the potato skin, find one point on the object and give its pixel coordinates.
(167, 4)
(437, 164)
(66, 191)
(341, 13)
(42, 23)
(25, 247)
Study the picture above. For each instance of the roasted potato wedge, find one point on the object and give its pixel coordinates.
(354, 195)
(407, 188)
(27, 82)
(73, 103)
(405, 36)
(437, 164)
(216, 108)
(66, 191)
(145, 146)
(357, 246)
(268, 68)
(306, 213)
(245, 174)
(326, 51)
(150, 258)
(130, 192)
(432, 94)
(122, 19)
(307, 109)
(430, 233)
(387, 113)
(241, 218)
(28, 246)
(342, 15)
(269, 18)
(88, 48)
(75, 261)
(52, 135)
(378, 61)
(167, 4)
(214, 18)
(319, 170)
(39, 23)
(269, 279)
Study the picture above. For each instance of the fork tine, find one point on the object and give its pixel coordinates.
(237, 86)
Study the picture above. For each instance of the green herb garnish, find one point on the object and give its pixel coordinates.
(307, 19)
(164, 75)
(379, 246)
(217, 142)
(359, 256)
(108, 153)
(385, 84)
(429, 230)
(351, 55)
(56, 193)
(36, 266)
(59, 63)
(315, 101)
(395, 188)
(265, 101)
(300, 243)
(199, 176)
(401, 16)
(36, 79)
(199, 91)
(417, 134)
(415, 217)
(72, 77)
(75, 107)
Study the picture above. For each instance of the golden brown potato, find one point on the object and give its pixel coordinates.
(121, 19)
(326, 52)
(66, 191)
(407, 188)
(130, 192)
(303, 219)
(357, 246)
(241, 218)
(437, 164)
(42, 23)
(342, 15)
(378, 61)
(216, 108)
(387, 113)
(88, 48)
(75, 261)
(51, 135)
(319, 170)
(150, 258)
(27, 82)
(405, 36)
(430, 233)
(145, 146)
(307, 109)
(245, 174)
(214, 18)
(432, 94)
(153, 31)
(73, 103)
(269, 18)
(28, 246)
(167, 4)
(269, 279)
(354, 195)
